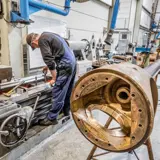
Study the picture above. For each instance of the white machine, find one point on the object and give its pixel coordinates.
(83, 64)
(124, 38)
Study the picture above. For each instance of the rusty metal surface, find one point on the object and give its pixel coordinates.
(141, 58)
(125, 92)
(5, 72)
(123, 58)
(99, 63)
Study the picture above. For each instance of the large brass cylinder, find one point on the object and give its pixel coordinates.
(126, 93)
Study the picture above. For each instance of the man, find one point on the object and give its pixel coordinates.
(61, 62)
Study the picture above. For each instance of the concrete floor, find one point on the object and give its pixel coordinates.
(69, 144)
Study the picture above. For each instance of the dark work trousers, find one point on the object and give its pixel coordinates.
(64, 83)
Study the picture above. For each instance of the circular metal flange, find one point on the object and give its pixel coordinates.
(123, 95)
(119, 92)
(16, 128)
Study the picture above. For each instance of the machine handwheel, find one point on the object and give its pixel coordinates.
(87, 46)
(16, 127)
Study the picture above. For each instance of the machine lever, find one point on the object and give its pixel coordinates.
(35, 105)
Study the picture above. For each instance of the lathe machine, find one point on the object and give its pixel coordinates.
(17, 99)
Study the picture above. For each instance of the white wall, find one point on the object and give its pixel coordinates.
(15, 47)
(39, 26)
(158, 14)
(109, 2)
(124, 14)
(132, 17)
(141, 37)
(125, 20)
(82, 25)
(148, 4)
(145, 19)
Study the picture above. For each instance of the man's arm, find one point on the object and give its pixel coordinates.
(48, 58)
(54, 75)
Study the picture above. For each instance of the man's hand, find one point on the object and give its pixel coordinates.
(45, 70)
(52, 82)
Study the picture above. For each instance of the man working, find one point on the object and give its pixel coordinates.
(61, 62)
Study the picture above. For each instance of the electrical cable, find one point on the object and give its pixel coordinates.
(14, 25)
(8, 22)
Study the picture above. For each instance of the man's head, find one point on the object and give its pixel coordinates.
(32, 40)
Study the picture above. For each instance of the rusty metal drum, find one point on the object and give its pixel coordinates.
(127, 94)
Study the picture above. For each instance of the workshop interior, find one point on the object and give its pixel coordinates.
(79, 79)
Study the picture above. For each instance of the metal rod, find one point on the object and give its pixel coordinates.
(27, 80)
(136, 155)
(154, 68)
(150, 151)
(108, 122)
(35, 105)
(91, 155)
(101, 154)
(114, 128)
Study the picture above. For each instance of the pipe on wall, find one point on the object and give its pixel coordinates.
(24, 9)
(28, 7)
(47, 7)
(115, 14)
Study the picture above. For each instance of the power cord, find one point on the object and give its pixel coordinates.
(14, 25)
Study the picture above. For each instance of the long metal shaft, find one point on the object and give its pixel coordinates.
(154, 68)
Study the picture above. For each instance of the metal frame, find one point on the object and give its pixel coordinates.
(91, 155)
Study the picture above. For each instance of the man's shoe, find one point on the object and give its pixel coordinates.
(65, 119)
(54, 122)
(47, 122)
